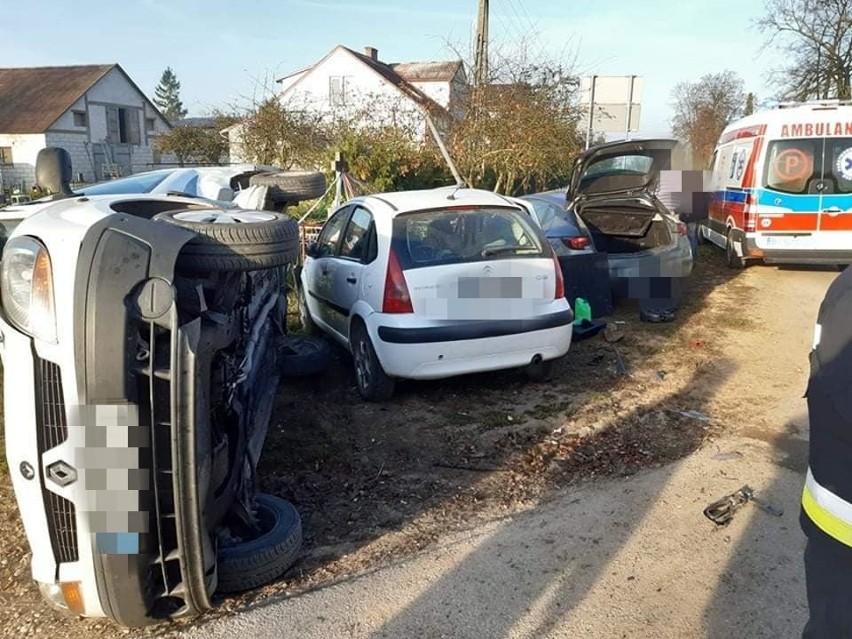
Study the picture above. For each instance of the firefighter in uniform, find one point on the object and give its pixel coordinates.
(826, 515)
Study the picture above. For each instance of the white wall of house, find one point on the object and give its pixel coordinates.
(25, 148)
(362, 88)
(438, 91)
(236, 149)
(289, 81)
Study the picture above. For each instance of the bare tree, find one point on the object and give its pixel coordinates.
(815, 37)
(520, 132)
(704, 108)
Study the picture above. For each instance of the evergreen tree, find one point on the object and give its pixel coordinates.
(167, 96)
(749, 107)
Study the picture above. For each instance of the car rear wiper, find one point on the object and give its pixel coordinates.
(497, 250)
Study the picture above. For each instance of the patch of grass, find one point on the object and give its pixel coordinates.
(735, 322)
(543, 411)
(494, 419)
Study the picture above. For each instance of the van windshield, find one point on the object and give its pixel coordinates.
(809, 165)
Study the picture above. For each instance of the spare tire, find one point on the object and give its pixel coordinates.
(235, 240)
(291, 186)
(303, 355)
(253, 563)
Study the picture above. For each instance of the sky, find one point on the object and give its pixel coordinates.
(227, 53)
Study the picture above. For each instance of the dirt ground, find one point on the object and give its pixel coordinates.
(378, 483)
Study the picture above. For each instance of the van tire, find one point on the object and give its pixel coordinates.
(732, 260)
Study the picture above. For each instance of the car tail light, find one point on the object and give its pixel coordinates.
(682, 229)
(578, 243)
(397, 298)
(560, 280)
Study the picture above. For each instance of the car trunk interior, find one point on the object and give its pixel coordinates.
(626, 229)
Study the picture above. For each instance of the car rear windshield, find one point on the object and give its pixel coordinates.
(454, 235)
(553, 218)
(617, 173)
(809, 165)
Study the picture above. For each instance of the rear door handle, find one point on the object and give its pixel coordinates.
(351, 279)
(832, 209)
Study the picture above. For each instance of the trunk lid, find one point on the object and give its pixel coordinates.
(621, 167)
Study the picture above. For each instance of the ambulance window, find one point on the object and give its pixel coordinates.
(838, 163)
(790, 164)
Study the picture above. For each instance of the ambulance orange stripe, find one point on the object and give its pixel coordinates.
(789, 222)
(841, 222)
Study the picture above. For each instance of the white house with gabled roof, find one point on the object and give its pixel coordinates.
(361, 88)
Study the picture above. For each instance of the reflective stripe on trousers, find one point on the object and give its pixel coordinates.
(827, 511)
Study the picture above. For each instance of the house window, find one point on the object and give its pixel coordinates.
(123, 125)
(80, 118)
(6, 155)
(337, 90)
(150, 124)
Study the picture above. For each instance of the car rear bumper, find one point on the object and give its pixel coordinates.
(435, 352)
(675, 261)
(797, 256)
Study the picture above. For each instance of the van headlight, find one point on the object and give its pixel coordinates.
(26, 282)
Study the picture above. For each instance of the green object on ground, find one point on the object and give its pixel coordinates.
(582, 311)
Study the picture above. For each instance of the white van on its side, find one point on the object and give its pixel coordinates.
(782, 187)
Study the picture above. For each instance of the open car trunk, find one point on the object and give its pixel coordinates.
(626, 229)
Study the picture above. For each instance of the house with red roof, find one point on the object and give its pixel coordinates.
(95, 112)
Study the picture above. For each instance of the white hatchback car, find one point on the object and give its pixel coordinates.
(437, 283)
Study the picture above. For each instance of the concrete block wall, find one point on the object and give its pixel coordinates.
(77, 145)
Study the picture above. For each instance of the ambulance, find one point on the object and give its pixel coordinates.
(781, 183)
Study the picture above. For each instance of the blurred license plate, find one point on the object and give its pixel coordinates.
(490, 287)
(782, 241)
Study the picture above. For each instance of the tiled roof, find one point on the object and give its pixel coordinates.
(33, 98)
(427, 71)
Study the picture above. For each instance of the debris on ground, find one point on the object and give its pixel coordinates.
(729, 456)
(613, 333)
(694, 414)
(721, 511)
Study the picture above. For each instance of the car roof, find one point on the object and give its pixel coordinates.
(399, 202)
(556, 197)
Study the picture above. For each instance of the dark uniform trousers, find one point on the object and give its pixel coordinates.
(826, 515)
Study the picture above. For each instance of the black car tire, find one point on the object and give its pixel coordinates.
(370, 378)
(254, 563)
(732, 260)
(248, 246)
(302, 355)
(288, 187)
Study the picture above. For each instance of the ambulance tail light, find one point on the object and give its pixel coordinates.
(750, 213)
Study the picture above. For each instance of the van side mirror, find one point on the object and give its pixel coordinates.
(313, 250)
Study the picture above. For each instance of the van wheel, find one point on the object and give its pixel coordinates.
(733, 260)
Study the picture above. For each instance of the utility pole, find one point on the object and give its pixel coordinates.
(481, 54)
